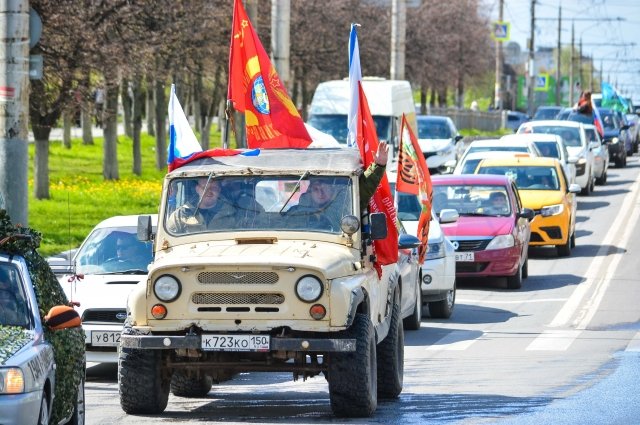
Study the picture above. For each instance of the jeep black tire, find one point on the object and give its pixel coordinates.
(143, 387)
(353, 375)
(390, 356)
(183, 385)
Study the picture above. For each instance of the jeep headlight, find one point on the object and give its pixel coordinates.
(167, 288)
(309, 288)
(501, 241)
(551, 210)
(435, 251)
(11, 381)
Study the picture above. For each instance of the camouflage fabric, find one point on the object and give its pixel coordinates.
(68, 344)
(369, 181)
(12, 339)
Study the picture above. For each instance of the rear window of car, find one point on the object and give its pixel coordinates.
(571, 135)
(548, 149)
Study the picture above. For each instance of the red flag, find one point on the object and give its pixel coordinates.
(414, 177)
(254, 88)
(385, 250)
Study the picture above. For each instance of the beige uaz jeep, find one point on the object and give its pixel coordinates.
(265, 280)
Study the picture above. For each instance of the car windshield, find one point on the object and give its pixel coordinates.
(472, 200)
(113, 250)
(548, 149)
(408, 205)
(545, 114)
(266, 202)
(526, 177)
(431, 129)
(14, 309)
(336, 126)
(571, 135)
(608, 121)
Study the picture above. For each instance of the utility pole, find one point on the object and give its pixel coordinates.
(398, 38)
(499, 61)
(558, 60)
(601, 68)
(571, 65)
(14, 106)
(532, 71)
(280, 23)
(580, 76)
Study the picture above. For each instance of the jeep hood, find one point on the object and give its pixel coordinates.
(331, 259)
(478, 226)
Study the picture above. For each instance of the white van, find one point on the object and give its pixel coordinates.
(388, 100)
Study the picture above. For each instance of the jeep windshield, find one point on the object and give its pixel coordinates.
(258, 203)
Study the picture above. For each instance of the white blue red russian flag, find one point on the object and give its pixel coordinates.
(182, 140)
(355, 75)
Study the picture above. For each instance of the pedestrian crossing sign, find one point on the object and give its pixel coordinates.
(501, 31)
(542, 82)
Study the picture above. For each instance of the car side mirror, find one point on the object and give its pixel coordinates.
(62, 317)
(145, 230)
(407, 241)
(449, 216)
(573, 159)
(624, 127)
(594, 145)
(527, 213)
(458, 138)
(574, 188)
(378, 223)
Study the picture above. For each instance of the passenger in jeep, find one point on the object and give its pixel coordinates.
(207, 210)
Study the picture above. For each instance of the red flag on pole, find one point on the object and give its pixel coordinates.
(254, 88)
(413, 177)
(385, 250)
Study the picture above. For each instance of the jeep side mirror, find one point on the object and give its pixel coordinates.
(378, 223)
(145, 231)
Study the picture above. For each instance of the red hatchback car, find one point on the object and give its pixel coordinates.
(491, 235)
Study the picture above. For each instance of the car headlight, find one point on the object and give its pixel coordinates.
(435, 250)
(500, 242)
(309, 289)
(581, 161)
(167, 288)
(551, 210)
(11, 381)
(615, 140)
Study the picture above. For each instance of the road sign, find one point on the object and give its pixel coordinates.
(542, 82)
(501, 31)
(35, 67)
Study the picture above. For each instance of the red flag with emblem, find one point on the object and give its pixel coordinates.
(414, 177)
(385, 250)
(271, 118)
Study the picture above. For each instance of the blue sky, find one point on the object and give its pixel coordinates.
(620, 62)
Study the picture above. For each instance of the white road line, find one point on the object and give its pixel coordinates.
(634, 344)
(455, 341)
(537, 300)
(554, 340)
(571, 306)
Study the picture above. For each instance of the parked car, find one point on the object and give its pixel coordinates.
(546, 113)
(600, 154)
(28, 384)
(550, 146)
(439, 141)
(491, 238)
(543, 188)
(111, 261)
(438, 274)
(575, 139)
(515, 119)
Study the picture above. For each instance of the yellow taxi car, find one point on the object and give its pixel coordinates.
(543, 187)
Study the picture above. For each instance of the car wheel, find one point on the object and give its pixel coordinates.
(525, 268)
(619, 162)
(43, 417)
(412, 323)
(564, 250)
(603, 178)
(444, 308)
(353, 382)
(573, 240)
(515, 281)
(587, 189)
(390, 357)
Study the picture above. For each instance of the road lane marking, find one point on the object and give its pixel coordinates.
(634, 344)
(487, 301)
(575, 300)
(554, 340)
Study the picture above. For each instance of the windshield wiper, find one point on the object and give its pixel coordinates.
(295, 189)
(204, 191)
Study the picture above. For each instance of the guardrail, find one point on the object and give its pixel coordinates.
(466, 118)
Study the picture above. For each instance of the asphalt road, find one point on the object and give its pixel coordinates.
(563, 349)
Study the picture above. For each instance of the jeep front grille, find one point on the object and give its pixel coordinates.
(217, 298)
(226, 278)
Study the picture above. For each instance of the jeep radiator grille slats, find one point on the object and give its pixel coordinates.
(218, 298)
(250, 278)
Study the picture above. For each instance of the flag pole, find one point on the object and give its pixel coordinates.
(228, 113)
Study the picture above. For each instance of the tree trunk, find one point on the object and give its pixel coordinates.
(110, 162)
(41, 170)
(67, 118)
(161, 138)
(150, 108)
(196, 101)
(306, 99)
(138, 100)
(423, 100)
(126, 107)
(87, 128)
